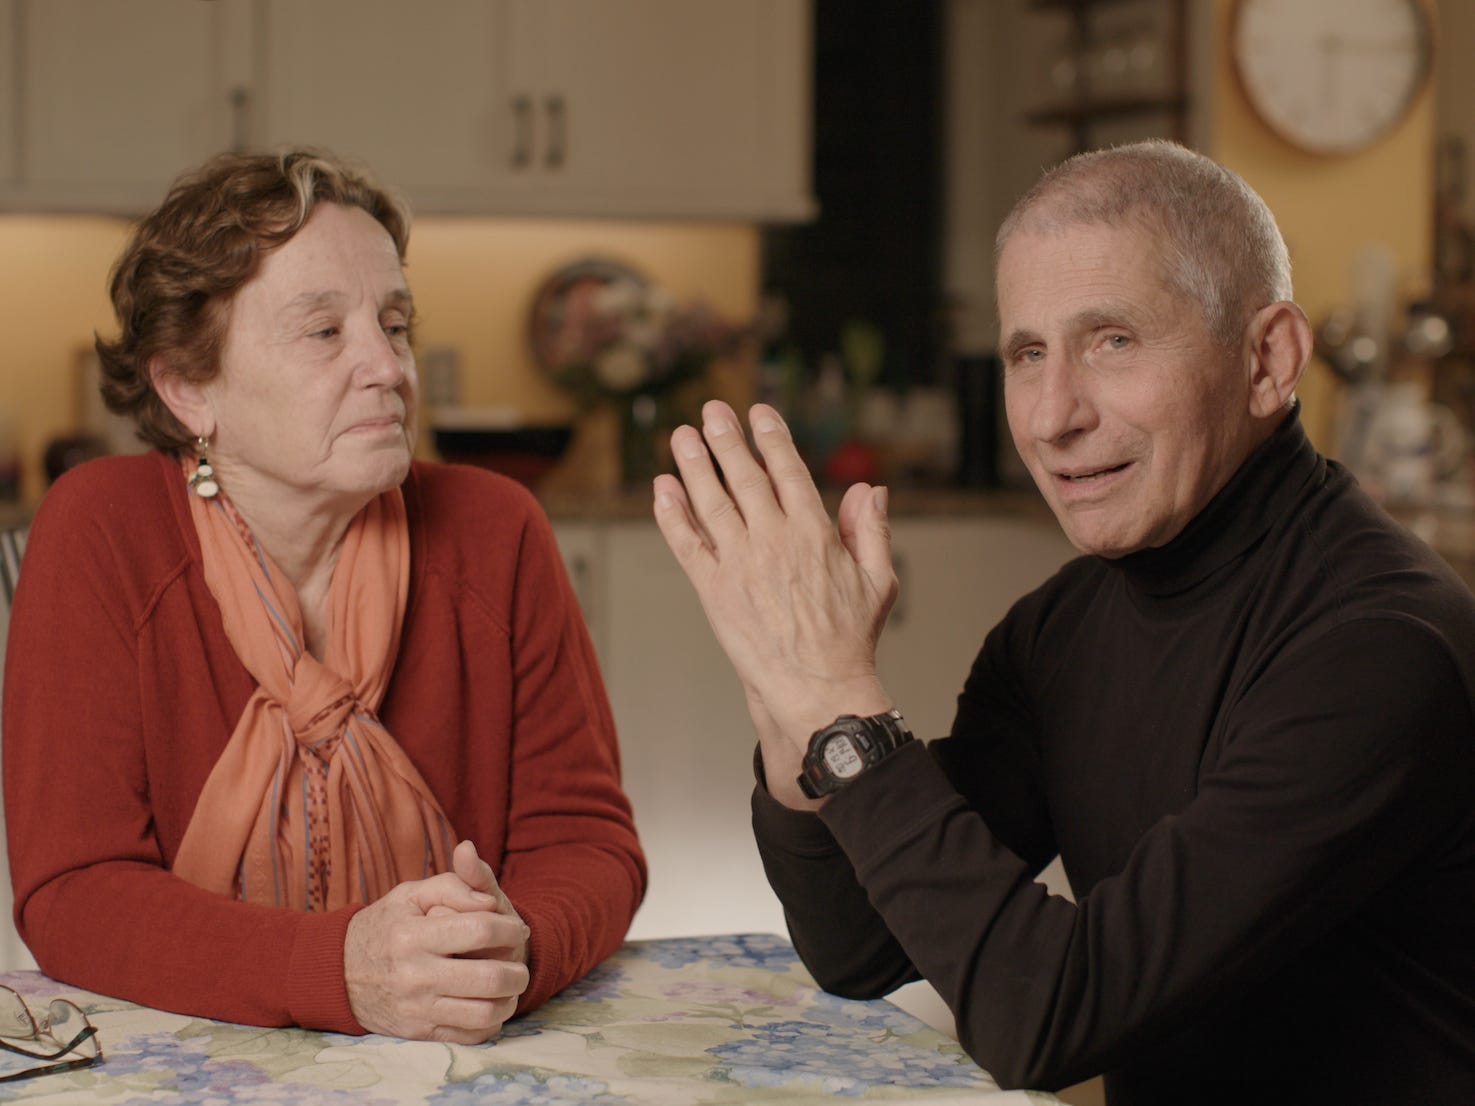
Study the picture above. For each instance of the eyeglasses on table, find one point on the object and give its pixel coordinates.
(65, 1026)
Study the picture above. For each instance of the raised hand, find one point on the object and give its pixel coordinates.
(796, 603)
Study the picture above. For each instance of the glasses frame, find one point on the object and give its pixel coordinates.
(43, 1028)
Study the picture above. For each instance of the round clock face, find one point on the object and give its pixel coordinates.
(1331, 76)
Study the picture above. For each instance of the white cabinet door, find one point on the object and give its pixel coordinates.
(581, 545)
(958, 577)
(415, 92)
(686, 746)
(668, 107)
(116, 98)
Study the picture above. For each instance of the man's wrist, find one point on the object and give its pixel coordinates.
(848, 747)
(798, 716)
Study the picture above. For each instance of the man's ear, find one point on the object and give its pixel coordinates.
(1278, 346)
(185, 398)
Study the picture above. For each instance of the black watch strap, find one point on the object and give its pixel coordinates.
(848, 746)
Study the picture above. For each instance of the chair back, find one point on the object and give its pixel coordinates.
(12, 545)
(14, 956)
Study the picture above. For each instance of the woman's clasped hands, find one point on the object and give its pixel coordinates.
(440, 959)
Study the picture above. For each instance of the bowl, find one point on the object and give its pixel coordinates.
(523, 451)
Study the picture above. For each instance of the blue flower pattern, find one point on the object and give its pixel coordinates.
(776, 1031)
(785, 1053)
(527, 1088)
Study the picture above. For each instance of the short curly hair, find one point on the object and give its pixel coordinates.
(172, 286)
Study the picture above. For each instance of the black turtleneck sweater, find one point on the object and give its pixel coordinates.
(1254, 750)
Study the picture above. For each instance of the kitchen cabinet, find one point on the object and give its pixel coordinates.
(665, 106)
(112, 100)
(645, 108)
(685, 738)
(420, 96)
(9, 92)
(559, 107)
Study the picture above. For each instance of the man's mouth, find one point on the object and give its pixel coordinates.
(1093, 474)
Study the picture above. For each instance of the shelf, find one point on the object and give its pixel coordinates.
(1090, 111)
(1098, 88)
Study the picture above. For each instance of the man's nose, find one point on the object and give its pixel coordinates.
(1062, 405)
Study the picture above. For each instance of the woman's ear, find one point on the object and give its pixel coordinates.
(185, 398)
(1278, 342)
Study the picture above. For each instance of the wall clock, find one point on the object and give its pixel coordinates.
(1331, 76)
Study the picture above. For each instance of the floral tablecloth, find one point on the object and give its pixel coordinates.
(684, 1021)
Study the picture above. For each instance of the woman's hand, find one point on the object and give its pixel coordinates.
(796, 604)
(441, 959)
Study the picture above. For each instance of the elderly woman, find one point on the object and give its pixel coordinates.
(299, 730)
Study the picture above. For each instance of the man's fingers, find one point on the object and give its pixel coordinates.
(785, 471)
(706, 496)
(748, 485)
(688, 542)
(865, 530)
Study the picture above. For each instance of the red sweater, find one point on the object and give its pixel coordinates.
(121, 690)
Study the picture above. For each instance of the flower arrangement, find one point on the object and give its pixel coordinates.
(621, 338)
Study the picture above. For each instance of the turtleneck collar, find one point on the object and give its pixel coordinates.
(1262, 492)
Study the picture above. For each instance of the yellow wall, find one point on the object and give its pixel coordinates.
(473, 280)
(1330, 208)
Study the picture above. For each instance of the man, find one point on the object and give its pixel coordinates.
(1244, 719)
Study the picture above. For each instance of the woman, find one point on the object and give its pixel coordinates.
(264, 678)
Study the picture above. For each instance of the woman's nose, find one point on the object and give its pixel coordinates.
(382, 362)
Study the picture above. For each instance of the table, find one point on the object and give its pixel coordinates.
(680, 1021)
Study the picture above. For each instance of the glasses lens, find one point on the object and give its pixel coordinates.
(16, 1022)
(67, 1021)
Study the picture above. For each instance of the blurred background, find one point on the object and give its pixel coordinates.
(625, 206)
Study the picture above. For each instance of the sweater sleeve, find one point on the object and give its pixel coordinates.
(573, 867)
(1345, 763)
(999, 776)
(94, 899)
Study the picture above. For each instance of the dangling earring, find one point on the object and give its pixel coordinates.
(203, 478)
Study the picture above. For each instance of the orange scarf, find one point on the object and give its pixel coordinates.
(313, 804)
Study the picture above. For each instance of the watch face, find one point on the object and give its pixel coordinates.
(841, 758)
(1331, 76)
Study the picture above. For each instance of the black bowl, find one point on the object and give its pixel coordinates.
(525, 453)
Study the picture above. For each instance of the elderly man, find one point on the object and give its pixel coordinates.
(1245, 719)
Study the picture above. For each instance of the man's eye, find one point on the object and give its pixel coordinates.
(326, 332)
(1118, 341)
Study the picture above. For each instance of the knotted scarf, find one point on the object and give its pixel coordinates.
(312, 804)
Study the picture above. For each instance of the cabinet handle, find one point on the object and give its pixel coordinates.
(240, 119)
(557, 131)
(522, 132)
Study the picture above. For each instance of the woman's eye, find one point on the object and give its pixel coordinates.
(326, 332)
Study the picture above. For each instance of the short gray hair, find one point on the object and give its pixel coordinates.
(1223, 248)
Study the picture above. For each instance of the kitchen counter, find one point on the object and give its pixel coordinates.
(917, 502)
